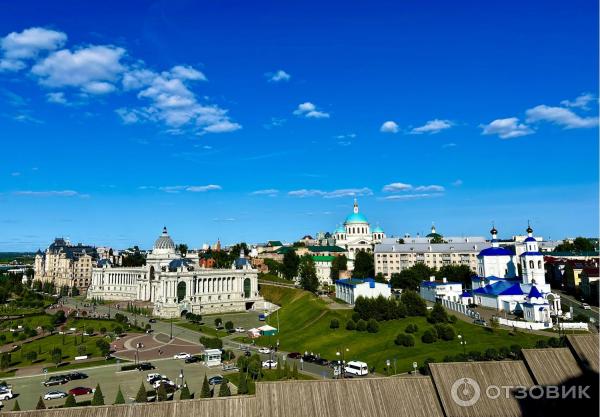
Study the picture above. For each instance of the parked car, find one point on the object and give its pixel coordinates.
(480, 322)
(586, 306)
(294, 355)
(55, 380)
(152, 321)
(76, 375)
(145, 366)
(6, 394)
(80, 391)
(192, 359)
(182, 355)
(54, 395)
(356, 368)
(215, 380)
(167, 382)
(270, 364)
(309, 358)
(322, 361)
(240, 329)
(153, 377)
(264, 350)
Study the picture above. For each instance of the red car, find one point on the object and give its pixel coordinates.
(294, 355)
(80, 391)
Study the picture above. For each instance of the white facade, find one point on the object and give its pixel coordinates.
(350, 289)
(433, 290)
(323, 268)
(177, 285)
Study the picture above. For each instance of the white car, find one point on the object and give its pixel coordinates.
(54, 395)
(150, 377)
(6, 394)
(264, 350)
(160, 382)
(240, 330)
(182, 355)
(586, 306)
(270, 364)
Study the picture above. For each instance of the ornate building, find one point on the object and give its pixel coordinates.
(65, 264)
(177, 284)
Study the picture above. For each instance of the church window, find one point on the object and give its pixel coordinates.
(531, 264)
(540, 264)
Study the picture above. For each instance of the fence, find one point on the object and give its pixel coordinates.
(540, 326)
(460, 308)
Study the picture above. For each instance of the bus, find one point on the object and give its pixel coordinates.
(356, 368)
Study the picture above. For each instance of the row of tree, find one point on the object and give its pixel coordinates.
(383, 309)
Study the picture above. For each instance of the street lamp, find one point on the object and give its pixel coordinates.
(181, 377)
(387, 364)
(463, 343)
(340, 353)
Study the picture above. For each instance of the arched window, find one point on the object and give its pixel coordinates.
(540, 264)
(247, 288)
(531, 265)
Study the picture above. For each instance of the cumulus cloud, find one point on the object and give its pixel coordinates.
(436, 188)
(18, 47)
(560, 116)
(346, 192)
(580, 102)
(389, 127)
(309, 110)
(58, 98)
(396, 186)
(278, 76)
(432, 126)
(507, 128)
(189, 188)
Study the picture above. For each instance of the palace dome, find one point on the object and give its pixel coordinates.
(164, 242)
(355, 218)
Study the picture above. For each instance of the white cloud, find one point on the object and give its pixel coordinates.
(507, 128)
(389, 127)
(26, 45)
(52, 193)
(411, 196)
(560, 116)
(58, 98)
(222, 127)
(271, 192)
(580, 102)
(457, 183)
(432, 126)
(187, 73)
(345, 192)
(190, 188)
(278, 76)
(93, 69)
(309, 110)
(396, 186)
(436, 188)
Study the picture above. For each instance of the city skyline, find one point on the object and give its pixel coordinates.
(267, 123)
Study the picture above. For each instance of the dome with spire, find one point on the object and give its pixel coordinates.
(434, 234)
(340, 229)
(164, 243)
(377, 229)
(356, 217)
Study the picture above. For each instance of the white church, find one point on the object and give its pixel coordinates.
(177, 284)
(514, 282)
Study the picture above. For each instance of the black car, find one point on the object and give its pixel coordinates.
(294, 355)
(76, 375)
(152, 321)
(309, 358)
(55, 380)
(215, 380)
(145, 366)
(192, 359)
(322, 361)
(247, 353)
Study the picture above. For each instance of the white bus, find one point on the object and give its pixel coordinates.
(356, 368)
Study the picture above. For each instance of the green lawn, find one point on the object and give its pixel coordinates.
(97, 324)
(304, 326)
(275, 278)
(268, 375)
(31, 322)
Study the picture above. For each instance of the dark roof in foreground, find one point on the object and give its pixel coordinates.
(552, 366)
(485, 374)
(585, 347)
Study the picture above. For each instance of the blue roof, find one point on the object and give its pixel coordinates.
(378, 229)
(353, 282)
(340, 229)
(532, 254)
(495, 252)
(356, 218)
(534, 292)
(530, 239)
(437, 283)
(466, 294)
(500, 288)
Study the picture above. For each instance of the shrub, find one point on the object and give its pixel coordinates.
(424, 369)
(98, 396)
(211, 342)
(334, 324)
(205, 392)
(475, 355)
(490, 354)
(405, 340)
(185, 394)
(120, 399)
(16, 407)
(504, 352)
(224, 390)
(70, 401)
(516, 350)
(40, 404)
(229, 325)
(361, 326)
(541, 344)
(355, 316)
(411, 328)
(141, 396)
(161, 393)
(372, 326)
(444, 331)
(429, 336)
(415, 305)
(438, 314)
(554, 342)
(351, 325)
(243, 384)
(452, 318)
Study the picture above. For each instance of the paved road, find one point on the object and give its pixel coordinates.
(568, 301)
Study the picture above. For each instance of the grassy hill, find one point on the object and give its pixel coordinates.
(304, 326)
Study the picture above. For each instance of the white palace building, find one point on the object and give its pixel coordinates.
(176, 284)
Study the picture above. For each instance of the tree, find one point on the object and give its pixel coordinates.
(438, 314)
(205, 392)
(218, 322)
(81, 350)
(98, 396)
(56, 355)
(224, 390)
(291, 261)
(411, 328)
(404, 339)
(429, 336)
(411, 278)
(579, 244)
(361, 326)
(142, 395)
(5, 360)
(364, 265)
(229, 325)
(308, 274)
(351, 325)
(161, 393)
(415, 305)
(243, 385)
(182, 248)
(372, 326)
(120, 399)
(103, 346)
(70, 401)
(334, 324)
(16, 407)
(339, 263)
(185, 394)
(40, 404)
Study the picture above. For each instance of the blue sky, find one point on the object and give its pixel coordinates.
(263, 120)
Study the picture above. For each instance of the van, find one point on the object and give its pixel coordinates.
(356, 368)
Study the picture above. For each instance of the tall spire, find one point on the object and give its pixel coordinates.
(432, 227)
(355, 205)
(529, 229)
(494, 233)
